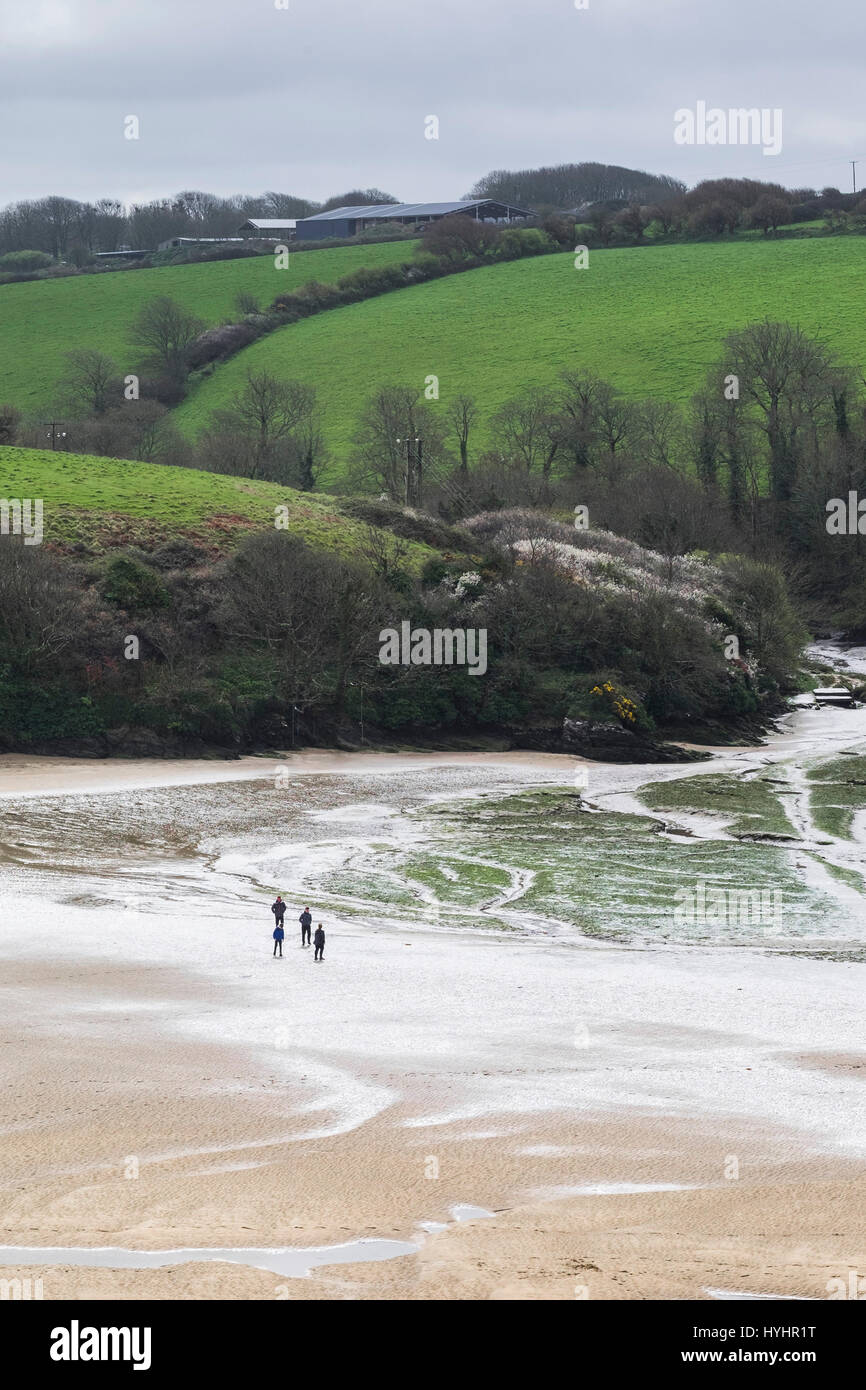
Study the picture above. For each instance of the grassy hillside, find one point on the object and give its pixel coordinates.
(651, 320)
(103, 502)
(43, 319)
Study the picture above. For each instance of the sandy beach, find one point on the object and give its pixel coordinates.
(536, 1112)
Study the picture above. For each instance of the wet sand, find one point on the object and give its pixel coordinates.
(23, 775)
(165, 1087)
(153, 1146)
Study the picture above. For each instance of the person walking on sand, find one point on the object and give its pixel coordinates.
(278, 937)
(319, 943)
(306, 921)
(279, 910)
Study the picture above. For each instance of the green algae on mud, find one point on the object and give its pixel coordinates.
(837, 791)
(745, 807)
(539, 860)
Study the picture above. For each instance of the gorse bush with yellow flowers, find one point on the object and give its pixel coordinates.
(603, 697)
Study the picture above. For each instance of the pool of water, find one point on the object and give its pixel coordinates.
(286, 1261)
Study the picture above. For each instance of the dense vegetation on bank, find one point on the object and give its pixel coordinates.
(168, 646)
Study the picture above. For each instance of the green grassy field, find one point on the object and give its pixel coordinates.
(650, 320)
(104, 502)
(43, 319)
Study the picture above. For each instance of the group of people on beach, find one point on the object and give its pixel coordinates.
(278, 908)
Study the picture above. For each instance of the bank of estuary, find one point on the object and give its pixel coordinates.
(619, 1007)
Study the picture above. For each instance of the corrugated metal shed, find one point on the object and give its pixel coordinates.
(270, 224)
(389, 210)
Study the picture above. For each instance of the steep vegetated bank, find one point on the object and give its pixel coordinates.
(167, 647)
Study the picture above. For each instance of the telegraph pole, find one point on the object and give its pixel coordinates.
(413, 470)
(854, 163)
(54, 426)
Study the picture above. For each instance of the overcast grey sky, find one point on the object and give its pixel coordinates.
(240, 96)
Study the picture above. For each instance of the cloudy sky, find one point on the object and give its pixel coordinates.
(323, 95)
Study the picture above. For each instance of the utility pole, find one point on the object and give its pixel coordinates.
(54, 426)
(854, 163)
(413, 471)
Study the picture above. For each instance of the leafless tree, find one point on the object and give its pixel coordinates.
(40, 612)
(163, 333)
(658, 432)
(525, 429)
(275, 428)
(399, 442)
(462, 414)
(88, 380)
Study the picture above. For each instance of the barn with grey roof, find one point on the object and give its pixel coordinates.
(349, 221)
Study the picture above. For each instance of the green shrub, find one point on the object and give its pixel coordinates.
(603, 696)
(369, 281)
(131, 585)
(26, 260)
(516, 242)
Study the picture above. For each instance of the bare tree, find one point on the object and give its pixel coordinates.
(526, 428)
(40, 612)
(163, 333)
(615, 418)
(770, 213)
(88, 380)
(399, 442)
(462, 414)
(578, 404)
(790, 382)
(658, 432)
(281, 423)
(10, 420)
(313, 615)
(634, 220)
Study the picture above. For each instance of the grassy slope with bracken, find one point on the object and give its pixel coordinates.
(650, 320)
(41, 320)
(101, 502)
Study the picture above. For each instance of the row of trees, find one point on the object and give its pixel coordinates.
(612, 198)
(66, 228)
(749, 464)
(570, 186)
(720, 207)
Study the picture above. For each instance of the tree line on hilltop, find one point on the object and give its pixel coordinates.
(618, 205)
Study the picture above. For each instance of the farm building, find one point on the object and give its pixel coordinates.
(176, 242)
(269, 228)
(347, 222)
(125, 253)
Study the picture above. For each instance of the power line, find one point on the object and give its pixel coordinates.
(768, 167)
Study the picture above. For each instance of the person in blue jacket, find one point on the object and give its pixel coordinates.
(278, 937)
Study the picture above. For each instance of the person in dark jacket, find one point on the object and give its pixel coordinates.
(319, 943)
(279, 910)
(306, 921)
(278, 937)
